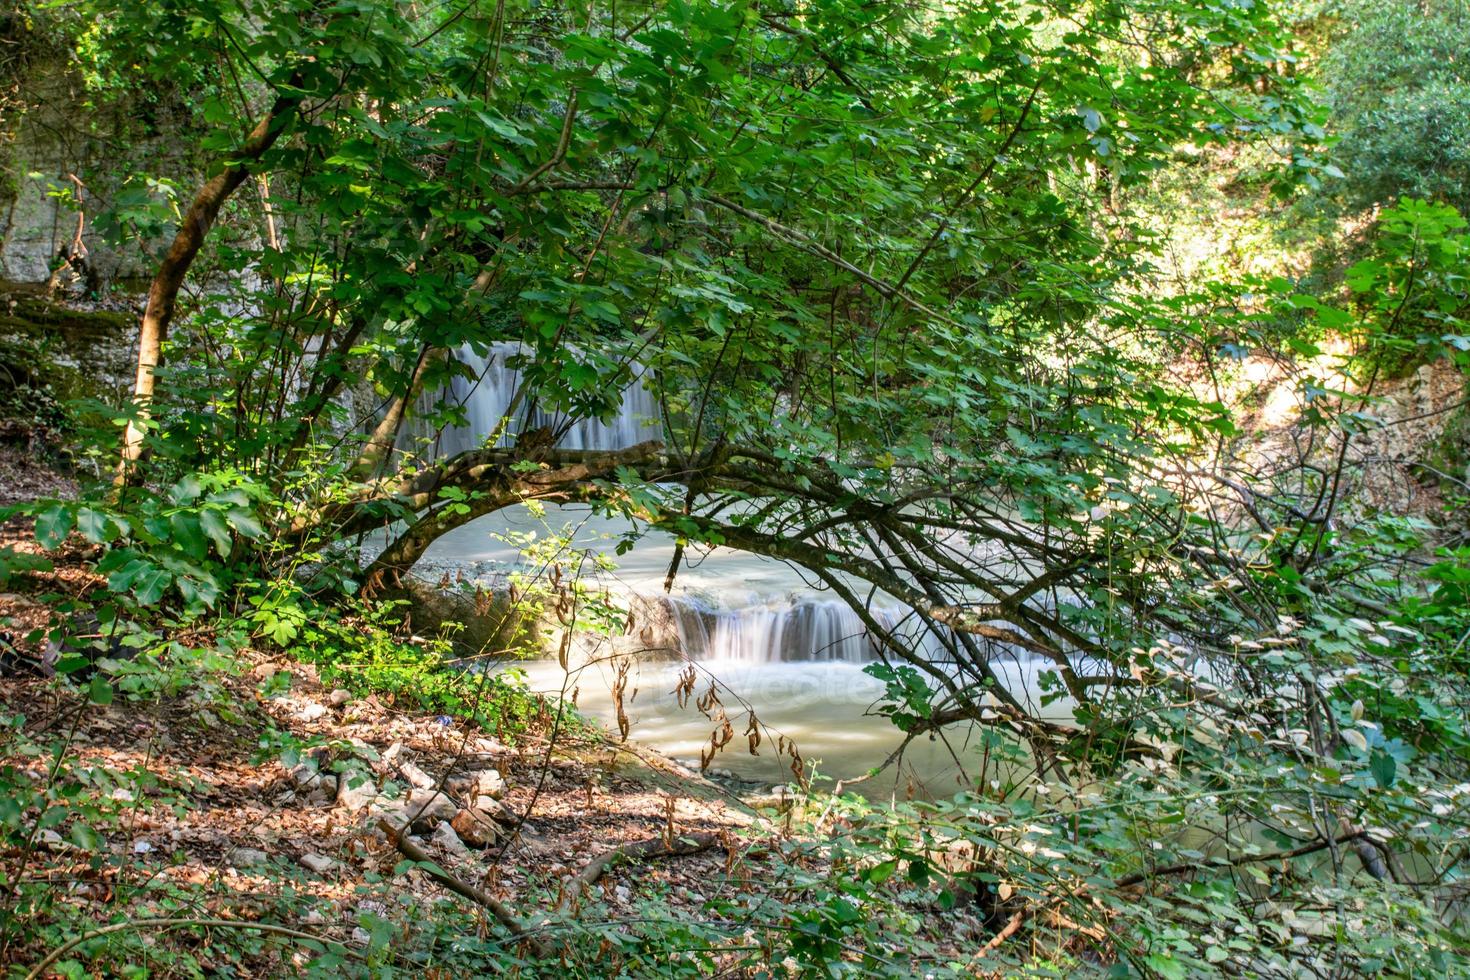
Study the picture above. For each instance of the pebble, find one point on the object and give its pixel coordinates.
(339, 697)
(244, 857)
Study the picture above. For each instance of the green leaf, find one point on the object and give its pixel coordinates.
(94, 525)
(99, 691)
(52, 526)
(213, 524)
(150, 585)
(880, 873)
(1384, 769)
(244, 522)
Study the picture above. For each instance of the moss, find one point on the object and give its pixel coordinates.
(25, 310)
(48, 347)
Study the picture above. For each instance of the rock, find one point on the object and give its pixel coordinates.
(304, 777)
(490, 783)
(356, 789)
(425, 807)
(53, 842)
(318, 863)
(622, 894)
(416, 777)
(476, 828)
(435, 806)
(310, 711)
(141, 847)
(497, 811)
(339, 697)
(392, 754)
(489, 746)
(360, 937)
(263, 672)
(244, 857)
(446, 838)
(324, 792)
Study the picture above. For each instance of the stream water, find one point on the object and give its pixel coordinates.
(768, 638)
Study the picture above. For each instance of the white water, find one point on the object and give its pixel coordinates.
(495, 387)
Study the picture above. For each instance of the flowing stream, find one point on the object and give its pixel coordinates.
(768, 639)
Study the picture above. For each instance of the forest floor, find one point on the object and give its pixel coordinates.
(199, 814)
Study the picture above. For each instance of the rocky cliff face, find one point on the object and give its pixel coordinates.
(62, 146)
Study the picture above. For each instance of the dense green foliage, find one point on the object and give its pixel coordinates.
(880, 265)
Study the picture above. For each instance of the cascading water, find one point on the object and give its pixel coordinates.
(489, 396)
(793, 629)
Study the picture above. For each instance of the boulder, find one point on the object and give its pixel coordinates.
(424, 808)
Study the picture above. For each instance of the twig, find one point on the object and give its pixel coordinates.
(1011, 927)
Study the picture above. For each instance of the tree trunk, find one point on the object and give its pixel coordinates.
(164, 292)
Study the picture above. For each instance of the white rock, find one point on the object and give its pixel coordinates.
(356, 789)
(318, 863)
(392, 753)
(244, 857)
(339, 697)
(490, 783)
(424, 807)
(622, 894)
(310, 711)
(304, 776)
(141, 847)
(416, 777)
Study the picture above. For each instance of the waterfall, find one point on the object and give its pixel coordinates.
(487, 397)
(803, 628)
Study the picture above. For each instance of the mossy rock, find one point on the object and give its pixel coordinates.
(48, 346)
